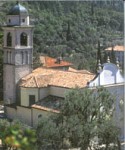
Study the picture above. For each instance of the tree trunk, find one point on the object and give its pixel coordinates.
(119, 144)
(106, 148)
(85, 144)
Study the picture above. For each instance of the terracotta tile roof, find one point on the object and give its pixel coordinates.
(38, 78)
(116, 48)
(45, 108)
(43, 77)
(52, 62)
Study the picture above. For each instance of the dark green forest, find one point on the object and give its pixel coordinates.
(71, 29)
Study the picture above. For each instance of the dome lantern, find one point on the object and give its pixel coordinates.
(18, 16)
(18, 10)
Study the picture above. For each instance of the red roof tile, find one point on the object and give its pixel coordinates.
(52, 62)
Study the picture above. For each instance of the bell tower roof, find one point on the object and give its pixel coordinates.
(18, 16)
(18, 10)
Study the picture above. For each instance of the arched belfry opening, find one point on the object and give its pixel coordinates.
(9, 39)
(23, 39)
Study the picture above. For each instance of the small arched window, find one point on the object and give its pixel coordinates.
(23, 39)
(23, 20)
(39, 116)
(9, 39)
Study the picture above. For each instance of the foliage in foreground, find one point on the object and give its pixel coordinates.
(85, 121)
(14, 135)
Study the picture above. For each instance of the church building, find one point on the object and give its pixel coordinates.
(29, 94)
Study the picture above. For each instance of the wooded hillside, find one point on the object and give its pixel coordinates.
(72, 29)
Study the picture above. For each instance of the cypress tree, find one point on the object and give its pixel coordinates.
(68, 35)
(99, 57)
(113, 59)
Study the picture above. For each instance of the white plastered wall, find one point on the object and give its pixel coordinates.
(37, 115)
(43, 92)
(22, 114)
(25, 92)
(58, 91)
(17, 20)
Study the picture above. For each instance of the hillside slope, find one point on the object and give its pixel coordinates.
(71, 29)
(68, 28)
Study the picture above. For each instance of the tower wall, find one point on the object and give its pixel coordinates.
(17, 48)
(18, 20)
(21, 72)
(9, 84)
(16, 31)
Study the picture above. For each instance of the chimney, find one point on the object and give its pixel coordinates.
(58, 60)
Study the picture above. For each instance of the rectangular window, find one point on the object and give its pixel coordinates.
(31, 100)
(23, 20)
(9, 21)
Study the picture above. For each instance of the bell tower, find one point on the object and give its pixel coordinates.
(17, 48)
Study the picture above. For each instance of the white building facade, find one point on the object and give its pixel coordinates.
(110, 76)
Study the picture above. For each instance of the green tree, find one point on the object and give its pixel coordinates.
(105, 56)
(68, 34)
(15, 135)
(112, 56)
(99, 56)
(84, 116)
(1, 66)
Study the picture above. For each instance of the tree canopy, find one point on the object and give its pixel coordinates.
(17, 136)
(85, 121)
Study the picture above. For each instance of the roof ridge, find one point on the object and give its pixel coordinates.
(30, 79)
(36, 81)
(89, 73)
